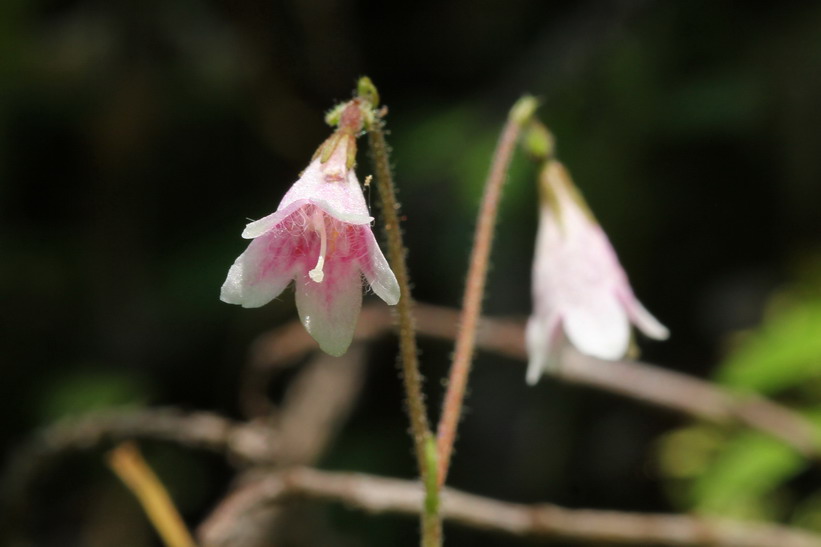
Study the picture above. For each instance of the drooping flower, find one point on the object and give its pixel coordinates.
(580, 291)
(320, 237)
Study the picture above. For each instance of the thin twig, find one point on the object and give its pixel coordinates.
(242, 443)
(318, 400)
(641, 381)
(644, 382)
(383, 495)
(420, 428)
(238, 520)
(316, 404)
(475, 283)
(691, 396)
(127, 462)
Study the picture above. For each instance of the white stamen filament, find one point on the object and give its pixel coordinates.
(318, 220)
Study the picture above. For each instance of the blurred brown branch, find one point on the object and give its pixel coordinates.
(245, 442)
(382, 495)
(640, 381)
(315, 406)
(317, 403)
(319, 399)
(242, 443)
(260, 491)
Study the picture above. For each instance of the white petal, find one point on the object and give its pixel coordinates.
(598, 326)
(346, 202)
(329, 309)
(266, 224)
(342, 199)
(538, 346)
(260, 273)
(645, 321)
(377, 271)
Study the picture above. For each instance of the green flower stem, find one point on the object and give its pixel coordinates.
(519, 117)
(422, 436)
(431, 519)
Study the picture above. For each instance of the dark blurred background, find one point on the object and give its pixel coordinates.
(139, 137)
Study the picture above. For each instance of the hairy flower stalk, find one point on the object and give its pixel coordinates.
(424, 445)
(580, 291)
(319, 237)
(518, 118)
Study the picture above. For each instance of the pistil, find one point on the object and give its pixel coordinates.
(318, 221)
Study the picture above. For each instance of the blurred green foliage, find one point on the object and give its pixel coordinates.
(784, 353)
(733, 474)
(731, 471)
(76, 392)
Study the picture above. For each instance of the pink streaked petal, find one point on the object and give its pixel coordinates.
(329, 309)
(543, 338)
(376, 269)
(599, 327)
(261, 273)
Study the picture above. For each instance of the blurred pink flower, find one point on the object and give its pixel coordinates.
(320, 237)
(580, 291)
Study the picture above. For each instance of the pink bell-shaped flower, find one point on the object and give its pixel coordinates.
(580, 291)
(320, 237)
